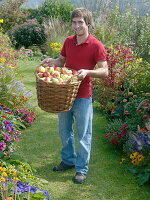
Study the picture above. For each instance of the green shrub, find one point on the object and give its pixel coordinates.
(28, 34)
(54, 9)
(12, 13)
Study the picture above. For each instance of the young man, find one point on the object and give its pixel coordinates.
(80, 52)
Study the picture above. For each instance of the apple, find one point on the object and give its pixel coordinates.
(47, 79)
(51, 69)
(41, 69)
(58, 69)
(56, 74)
(74, 72)
(46, 74)
(55, 80)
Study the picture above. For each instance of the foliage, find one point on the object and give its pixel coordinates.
(10, 130)
(12, 13)
(138, 75)
(27, 34)
(53, 9)
(115, 27)
(56, 32)
(12, 92)
(119, 59)
(55, 49)
(26, 116)
(16, 177)
(116, 132)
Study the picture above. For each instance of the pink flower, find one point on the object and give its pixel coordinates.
(2, 146)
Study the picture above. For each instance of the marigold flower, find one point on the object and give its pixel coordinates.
(1, 21)
(134, 155)
(9, 198)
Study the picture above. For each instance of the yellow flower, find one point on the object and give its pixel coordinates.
(1, 21)
(12, 173)
(140, 158)
(2, 179)
(139, 60)
(3, 169)
(4, 174)
(122, 160)
(16, 179)
(11, 66)
(135, 162)
(134, 155)
(2, 60)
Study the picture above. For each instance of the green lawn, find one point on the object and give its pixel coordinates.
(40, 147)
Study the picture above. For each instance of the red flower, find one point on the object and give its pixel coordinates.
(108, 135)
(126, 112)
(139, 111)
(145, 116)
(114, 141)
(145, 104)
(143, 130)
(4, 116)
(9, 113)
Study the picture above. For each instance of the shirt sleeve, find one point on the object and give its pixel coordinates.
(100, 52)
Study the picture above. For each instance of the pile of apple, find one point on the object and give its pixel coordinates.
(57, 75)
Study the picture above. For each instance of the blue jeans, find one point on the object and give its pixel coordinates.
(82, 113)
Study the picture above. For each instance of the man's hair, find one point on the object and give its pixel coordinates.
(86, 14)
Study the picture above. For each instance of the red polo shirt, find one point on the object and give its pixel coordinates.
(83, 56)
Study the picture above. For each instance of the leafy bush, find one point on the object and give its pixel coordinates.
(114, 28)
(116, 132)
(28, 34)
(12, 13)
(12, 94)
(54, 9)
(138, 75)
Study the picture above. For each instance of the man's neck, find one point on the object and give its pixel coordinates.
(81, 39)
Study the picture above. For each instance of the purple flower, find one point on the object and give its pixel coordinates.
(7, 137)
(2, 146)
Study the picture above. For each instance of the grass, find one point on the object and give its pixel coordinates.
(40, 147)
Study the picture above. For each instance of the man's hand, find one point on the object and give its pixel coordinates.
(47, 61)
(82, 73)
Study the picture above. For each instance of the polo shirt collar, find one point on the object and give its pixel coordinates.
(85, 42)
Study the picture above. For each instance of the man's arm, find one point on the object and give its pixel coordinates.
(100, 72)
(58, 61)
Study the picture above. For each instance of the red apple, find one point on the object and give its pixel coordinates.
(46, 74)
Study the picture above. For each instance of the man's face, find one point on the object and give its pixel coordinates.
(79, 25)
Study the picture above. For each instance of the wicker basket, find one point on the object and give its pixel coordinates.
(56, 98)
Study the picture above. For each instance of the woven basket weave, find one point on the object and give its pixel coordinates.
(56, 98)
